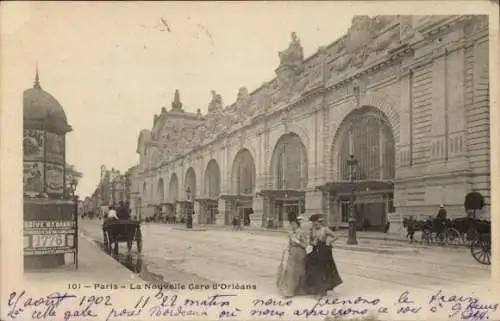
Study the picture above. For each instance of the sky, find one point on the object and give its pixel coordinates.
(112, 66)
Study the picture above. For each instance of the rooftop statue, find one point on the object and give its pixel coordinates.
(294, 54)
(215, 104)
(176, 104)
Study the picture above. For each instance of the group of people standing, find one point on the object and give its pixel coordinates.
(307, 266)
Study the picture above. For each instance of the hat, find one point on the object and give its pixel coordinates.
(441, 206)
(300, 218)
(316, 218)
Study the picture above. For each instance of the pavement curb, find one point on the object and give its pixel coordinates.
(359, 235)
(189, 229)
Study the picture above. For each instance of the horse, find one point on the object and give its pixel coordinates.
(431, 229)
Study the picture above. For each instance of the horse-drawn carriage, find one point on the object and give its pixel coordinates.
(118, 231)
(468, 231)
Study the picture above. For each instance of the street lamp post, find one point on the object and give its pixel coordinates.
(139, 209)
(285, 209)
(72, 185)
(351, 238)
(189, 218)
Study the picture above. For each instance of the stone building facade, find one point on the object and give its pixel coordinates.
(408, 96)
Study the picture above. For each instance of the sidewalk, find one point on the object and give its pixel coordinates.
(94, 266)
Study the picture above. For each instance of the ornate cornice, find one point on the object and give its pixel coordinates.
(389, 57)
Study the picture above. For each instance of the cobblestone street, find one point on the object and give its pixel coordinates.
(246, 257)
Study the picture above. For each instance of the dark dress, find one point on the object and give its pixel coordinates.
(321, 271)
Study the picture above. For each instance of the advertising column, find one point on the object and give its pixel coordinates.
(49, 213)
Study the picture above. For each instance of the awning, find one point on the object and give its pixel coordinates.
(207, 200)
(347, 186)
(283, 194)
(241, 197)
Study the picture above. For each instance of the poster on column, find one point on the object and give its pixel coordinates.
(55, 148)
(33, 145)
(55, 178)
(33, 177)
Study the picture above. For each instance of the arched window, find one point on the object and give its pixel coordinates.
(190, 181)
(161, 191)
(289, 163)
(173, 188)
(212, 179)
(243, 173)
(367, 135)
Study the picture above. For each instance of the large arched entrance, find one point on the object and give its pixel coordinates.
(243, 174)
(210, 204)
(366, 134)
(189, 192)
(289, 179)
(171, 204)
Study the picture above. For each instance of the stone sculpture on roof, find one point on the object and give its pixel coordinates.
(242, 106)
(290, 68)
(294, 54)
(215, 105)
(176, 104)
(366, 36)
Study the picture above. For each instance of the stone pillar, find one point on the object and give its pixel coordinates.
(258, 207)
(201, 213)
(335, 213)
(314, 203)
(178, 210)
(265, 211)
(221, 216)
(439, 128)
(197, 210)
(258, 211)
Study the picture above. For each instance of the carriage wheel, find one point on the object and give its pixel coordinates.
(470, 236)
(452, 237)
(481, 250)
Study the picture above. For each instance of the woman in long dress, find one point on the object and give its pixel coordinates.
(291, 272)
(321, 271)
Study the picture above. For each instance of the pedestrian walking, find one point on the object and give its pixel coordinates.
(236, 223)
(321, 271)
(291, 271)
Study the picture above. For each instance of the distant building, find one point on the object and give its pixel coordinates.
(113, 188)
